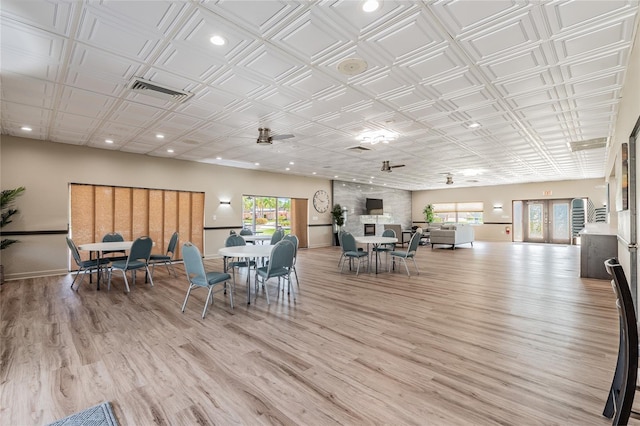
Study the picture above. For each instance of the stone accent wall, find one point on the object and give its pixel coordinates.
(397, 206)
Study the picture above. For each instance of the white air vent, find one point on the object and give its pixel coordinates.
(359, 148)
(156, 90)
(588, 144)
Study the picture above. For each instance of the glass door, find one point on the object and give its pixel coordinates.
(547, 221)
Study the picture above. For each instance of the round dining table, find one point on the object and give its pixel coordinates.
(248, 252)
(259, 237)
(375, 241)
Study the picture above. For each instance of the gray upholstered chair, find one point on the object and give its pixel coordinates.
(350, 251)
(166, 259)
(280, 266)
(138, 259)
(277, 236)
(234, 241)
(246, 231)
(388, 247)
(114, 237)
(410, 253)
(296, 243)
(85, 266)
(198, 277)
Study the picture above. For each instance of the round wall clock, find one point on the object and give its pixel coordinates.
(321, 201)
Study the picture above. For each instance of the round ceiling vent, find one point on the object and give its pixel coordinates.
(352, 66)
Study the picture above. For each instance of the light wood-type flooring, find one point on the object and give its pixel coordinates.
(499, 333)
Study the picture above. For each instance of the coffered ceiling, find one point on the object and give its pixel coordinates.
(535, 77)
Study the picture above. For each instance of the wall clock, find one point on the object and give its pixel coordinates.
(321, 201)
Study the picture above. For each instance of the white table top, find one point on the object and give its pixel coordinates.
(111, 245)
(374, 239)
(250, 250)
(256, 237)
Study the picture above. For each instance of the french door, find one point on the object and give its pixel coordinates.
(547, 221)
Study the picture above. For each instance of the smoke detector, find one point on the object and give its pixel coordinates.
(352, 66)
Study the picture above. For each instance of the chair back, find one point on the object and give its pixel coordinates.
(140, 249)
(281, 255)
(294, 240)
(277, 236)
(74, 250)
(389, 233)
(193, 265)
(234, 241)
(348, 242)
(232, 232)
(414, 243)
(112, 237)
(245, 231)
(171, 248)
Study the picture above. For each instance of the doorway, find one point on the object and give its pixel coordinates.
(545, 221)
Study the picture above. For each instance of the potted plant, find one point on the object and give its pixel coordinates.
(7, 198)
(428, 214)
(338, 220)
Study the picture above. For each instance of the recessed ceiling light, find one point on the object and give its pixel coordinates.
(336, 176)
(354, 179)
(473, 125)
(26, 128)
(218, 158)
(291, 163)
(160, 136)
(371, 5)
(288, 168)
(108, 140)
(313, 173)
(218, 40)
(256, 164)
(170, 151)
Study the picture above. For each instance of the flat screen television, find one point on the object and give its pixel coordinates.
(374, 205)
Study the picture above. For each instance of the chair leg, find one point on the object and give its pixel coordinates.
(230, 295)
(416, 265)
(150, 277)
(404, 261)
(206, 302)
(184, 305)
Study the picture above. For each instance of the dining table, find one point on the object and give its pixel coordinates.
(259, 237)
(376, 241)
(101, 247)
(248, 252)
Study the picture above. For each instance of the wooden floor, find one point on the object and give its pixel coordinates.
(495, 334)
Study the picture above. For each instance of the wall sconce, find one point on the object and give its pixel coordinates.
(497, 206)
(225, 202)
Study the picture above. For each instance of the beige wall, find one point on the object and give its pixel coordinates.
(497, 220)
(628, 116)
(47, 168)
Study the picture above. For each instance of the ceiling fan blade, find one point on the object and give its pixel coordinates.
(397, 165)
(280, 137)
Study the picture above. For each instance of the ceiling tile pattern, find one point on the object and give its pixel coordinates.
(533, 75)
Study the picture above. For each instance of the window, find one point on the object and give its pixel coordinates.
(471, 213)
(265, 214)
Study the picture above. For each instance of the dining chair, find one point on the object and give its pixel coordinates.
(114, 237)
(198, 277)
(280, 266)
(138, 259)
(234, 241)
(296, 243)
(387, 247)
(246, 231)
(350, 251)
(166, 259)
(277, 236)
(85, 266)
(410, 253)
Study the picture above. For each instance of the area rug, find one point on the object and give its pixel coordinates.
(100, 415)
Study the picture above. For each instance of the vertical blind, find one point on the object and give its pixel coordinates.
(134, 212)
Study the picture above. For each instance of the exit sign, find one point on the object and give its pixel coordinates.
(547, 193)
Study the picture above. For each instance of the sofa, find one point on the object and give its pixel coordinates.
(453, 235)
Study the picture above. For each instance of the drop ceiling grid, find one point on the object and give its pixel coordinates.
(532, 75)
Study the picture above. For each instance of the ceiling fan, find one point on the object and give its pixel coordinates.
(265, 138)
(449, 179)
(387, 168)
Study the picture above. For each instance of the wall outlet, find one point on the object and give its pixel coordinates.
(215, 217)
